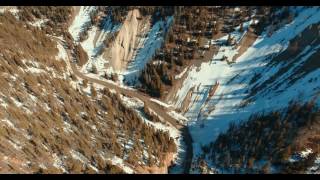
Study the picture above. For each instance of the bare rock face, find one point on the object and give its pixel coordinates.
(125, 43)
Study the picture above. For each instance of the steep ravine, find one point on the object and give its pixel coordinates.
(160, 110)
(126, 42)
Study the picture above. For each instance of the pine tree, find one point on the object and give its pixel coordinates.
(250, 163)
(114, 77)
(241, 27)
(93, 91)
(229, 40)
(85, 83)
(216, 27)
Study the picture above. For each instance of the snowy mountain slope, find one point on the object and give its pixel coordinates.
(162, 126)
(94, 46)
(150, 44)
(209, 117)
(53, 121)
(225, 76)
(247, 82)
(81, 21)
(134, 43)
(96, 49)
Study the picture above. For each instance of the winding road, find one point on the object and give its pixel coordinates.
(156, 107)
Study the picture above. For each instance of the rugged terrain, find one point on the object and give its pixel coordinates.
(136, 89)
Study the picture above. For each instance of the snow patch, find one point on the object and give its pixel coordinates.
(305, 153)
(119, 162)
(62, 54)
(38, 22)
(160, 103)
(178, 117)
(8, 123)
(181, 74)
(83, 159)
(81, 21)
(58, 163)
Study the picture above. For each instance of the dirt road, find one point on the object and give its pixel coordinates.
(159, 109)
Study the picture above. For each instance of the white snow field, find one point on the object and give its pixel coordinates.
(205, 123)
